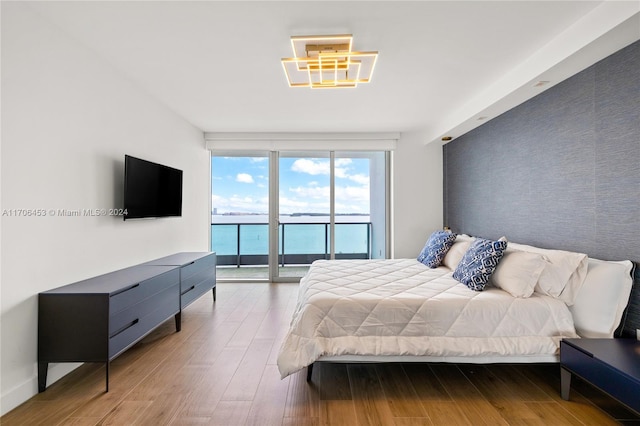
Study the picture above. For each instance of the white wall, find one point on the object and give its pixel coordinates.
(417, 193)
(68, 119)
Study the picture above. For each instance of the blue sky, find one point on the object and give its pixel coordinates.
(241, 184)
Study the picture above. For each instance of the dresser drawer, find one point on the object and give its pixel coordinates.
(140, 291)
(123, 319)
(195, 291)
(199, 267)
(139, 327)
(202, 276)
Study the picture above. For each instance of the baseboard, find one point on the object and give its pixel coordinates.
(23, 392)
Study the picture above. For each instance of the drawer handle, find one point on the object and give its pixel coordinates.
(187, 290)
(125, 289)
(126, 327)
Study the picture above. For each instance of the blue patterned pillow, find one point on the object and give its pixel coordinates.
(436, 248)
(479, 262)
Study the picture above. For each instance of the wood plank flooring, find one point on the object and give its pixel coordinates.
(221, 370)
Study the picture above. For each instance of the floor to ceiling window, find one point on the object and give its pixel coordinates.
(361, 194)
(274, 213)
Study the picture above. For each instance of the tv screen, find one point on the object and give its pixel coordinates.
(151, 189)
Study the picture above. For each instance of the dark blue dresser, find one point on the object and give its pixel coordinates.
(97, 319)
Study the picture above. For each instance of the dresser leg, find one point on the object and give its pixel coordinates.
(42, 375)
(565, 383)
(178, 318)
(107, 377)
(214, 293)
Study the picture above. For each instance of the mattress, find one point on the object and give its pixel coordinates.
(400, 307)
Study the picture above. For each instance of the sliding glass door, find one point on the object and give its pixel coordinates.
(302, 211)
(240, 215)
(331, 205)
(273, 214)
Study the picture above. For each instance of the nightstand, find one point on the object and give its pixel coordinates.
(613, 365)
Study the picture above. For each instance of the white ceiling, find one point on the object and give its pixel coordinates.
(441, 64)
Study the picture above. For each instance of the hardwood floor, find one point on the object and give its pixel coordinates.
(221, 370)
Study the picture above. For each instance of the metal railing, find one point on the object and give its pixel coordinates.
(300, 243)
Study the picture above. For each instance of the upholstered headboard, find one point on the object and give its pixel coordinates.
(631, 317)
(561, 170)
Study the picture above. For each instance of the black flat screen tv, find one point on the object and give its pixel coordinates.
(151, 189)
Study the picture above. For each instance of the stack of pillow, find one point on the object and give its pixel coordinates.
(518, 269)
(596, 291)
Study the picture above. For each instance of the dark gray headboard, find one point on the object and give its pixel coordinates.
(561, 170)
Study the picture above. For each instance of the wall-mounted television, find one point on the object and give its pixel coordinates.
(151, 189)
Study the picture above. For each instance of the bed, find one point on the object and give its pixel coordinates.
(403, 310)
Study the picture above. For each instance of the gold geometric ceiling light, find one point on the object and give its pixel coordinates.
(327, 62)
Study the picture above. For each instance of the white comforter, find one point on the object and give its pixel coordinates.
(401, 307)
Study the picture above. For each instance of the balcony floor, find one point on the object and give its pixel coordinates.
(257, 272)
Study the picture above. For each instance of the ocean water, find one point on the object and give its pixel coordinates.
(302, 234)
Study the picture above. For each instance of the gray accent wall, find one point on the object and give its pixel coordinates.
(561, 170)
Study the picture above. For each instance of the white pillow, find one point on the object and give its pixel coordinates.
(518, 272)
(602, 299)
(457, 250)
(563, 274)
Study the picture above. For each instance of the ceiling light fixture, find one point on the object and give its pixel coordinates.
(327, 62)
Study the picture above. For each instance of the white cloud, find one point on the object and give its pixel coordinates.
(288, 206)
(321, 167)
(237, 199)
(304, 165)
(238, 203)
(244, 178)
(349, 199)
(352, 193)
(352, 208)
(343, 193)
(360, 178)
(289, 202)
(340, 172)
(315, 192)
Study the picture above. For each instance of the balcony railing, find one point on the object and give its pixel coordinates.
(247, 244)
